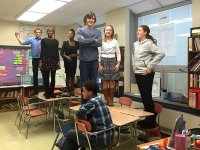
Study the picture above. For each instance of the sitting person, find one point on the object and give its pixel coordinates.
(97, 113)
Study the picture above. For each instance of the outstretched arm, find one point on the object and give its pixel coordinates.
(18, 38)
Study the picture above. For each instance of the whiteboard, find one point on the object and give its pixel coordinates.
(27, 30)
(164, 34)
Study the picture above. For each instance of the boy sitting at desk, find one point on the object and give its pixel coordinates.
(97, 113)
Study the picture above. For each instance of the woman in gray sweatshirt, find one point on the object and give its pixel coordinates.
(146, 55)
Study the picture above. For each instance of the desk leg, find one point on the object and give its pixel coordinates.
(118, 137)
(54, 121)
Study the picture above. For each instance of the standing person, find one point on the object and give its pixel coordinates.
(35, 43)
(69, 55)
(109, 62)
(49, 61)
(89, 40)
(146, 55)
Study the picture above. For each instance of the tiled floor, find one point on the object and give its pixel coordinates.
(38, 139)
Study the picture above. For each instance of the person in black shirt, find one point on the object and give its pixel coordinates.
(69, 55)
(49, 61)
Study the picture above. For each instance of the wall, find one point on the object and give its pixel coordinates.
(122, 25)
(118, 20)
(195, 13)
(8, 29)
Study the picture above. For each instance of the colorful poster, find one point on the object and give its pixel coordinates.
(13, 64)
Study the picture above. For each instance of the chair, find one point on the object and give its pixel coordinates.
(63, 125)
(73, 101)
(21, 109)
(31, 113)
(85, 127)
(154, 132)
(125, 101)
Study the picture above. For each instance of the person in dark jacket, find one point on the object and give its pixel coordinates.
(49, 61)
(69, 55)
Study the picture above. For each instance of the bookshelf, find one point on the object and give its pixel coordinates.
(8, 97)
(194, 69)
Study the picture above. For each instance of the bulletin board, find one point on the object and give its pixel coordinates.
(13, 63)
(16, 62)
(27, 30)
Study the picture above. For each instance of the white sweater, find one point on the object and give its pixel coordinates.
(110, 50)
(145, 55)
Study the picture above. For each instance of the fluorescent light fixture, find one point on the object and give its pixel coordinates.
(65, 0)
(46, 6)
(42, 8)
(31, 16)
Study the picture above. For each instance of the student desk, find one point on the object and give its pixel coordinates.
(53, 100)
(130, 111)
(162, 142)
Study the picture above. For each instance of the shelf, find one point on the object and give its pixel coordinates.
(194, 72)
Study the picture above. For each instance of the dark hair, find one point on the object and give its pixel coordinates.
(89, 15)
(91, 86)
(148, 36)
(113, 32)
(72, 30)
(51, 27)
(37, 28)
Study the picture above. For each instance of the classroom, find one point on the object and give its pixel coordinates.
(175, 86)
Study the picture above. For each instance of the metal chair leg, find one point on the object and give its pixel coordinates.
(55, 140)
(28, 124)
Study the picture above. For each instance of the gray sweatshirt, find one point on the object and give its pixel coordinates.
(145, 55)
(89, 40)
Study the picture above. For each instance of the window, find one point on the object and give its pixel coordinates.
(171, 28)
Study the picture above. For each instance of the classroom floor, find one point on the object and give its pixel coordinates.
(40, 138)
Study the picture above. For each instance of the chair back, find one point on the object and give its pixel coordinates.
(25, 101)
(157, 108)
(20, 101)
(125, 101)
(84, 125)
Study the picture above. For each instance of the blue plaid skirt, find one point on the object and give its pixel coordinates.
(108, 65)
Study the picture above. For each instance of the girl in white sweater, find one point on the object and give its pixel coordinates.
(109, 62)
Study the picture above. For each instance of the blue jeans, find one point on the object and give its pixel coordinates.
(88, 70)
(72, 144)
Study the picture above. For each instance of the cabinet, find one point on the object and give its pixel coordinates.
(8, 97)
(120, 81)
(194, 71)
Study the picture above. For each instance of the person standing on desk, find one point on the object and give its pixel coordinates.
(49, 61)
(69, 55)
(146, 55)
(89, 40)
(35, 43)
(109, 62)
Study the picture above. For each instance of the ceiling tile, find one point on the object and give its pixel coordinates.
(169, 2)
(144, 6)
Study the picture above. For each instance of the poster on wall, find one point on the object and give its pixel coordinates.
(13, 64)
(27, 30)
(164, 34)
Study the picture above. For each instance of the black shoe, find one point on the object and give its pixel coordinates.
(52, 95)
(47, 96)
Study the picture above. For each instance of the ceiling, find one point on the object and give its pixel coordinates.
(74, 11)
